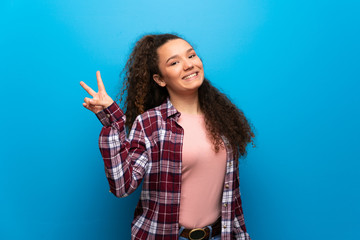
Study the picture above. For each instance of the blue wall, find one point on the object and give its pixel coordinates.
(292, 66)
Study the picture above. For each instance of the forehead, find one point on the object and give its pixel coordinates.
(173, 47)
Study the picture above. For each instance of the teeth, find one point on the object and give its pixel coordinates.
(192, 75)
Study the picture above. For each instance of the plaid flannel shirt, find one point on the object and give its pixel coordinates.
(152, 152)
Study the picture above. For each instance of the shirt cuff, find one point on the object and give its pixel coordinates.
(111, 114)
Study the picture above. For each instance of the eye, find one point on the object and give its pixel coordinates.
(192, 55)
(173, 63)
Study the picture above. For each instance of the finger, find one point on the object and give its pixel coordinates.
(92, 102)
(86, 106)
(87, 88)
(101, 86)
(89, 107)
(89, 102)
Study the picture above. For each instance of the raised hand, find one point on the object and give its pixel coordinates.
(100, 99)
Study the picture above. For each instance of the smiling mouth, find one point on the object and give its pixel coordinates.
(190, 76)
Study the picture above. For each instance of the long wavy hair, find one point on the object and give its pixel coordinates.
(222, 117)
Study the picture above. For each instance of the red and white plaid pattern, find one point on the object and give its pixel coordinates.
(152, 153)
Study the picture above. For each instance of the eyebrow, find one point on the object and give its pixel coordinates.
(189, 50)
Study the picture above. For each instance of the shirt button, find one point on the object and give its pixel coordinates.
(224, 226)
(225, 204)
(227, 185)
(108, 115)
(230, 164)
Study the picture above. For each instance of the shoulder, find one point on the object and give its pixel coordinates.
(153, 114)
(152, 120)
(158, 113)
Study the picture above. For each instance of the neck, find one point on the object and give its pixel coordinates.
(186, 104)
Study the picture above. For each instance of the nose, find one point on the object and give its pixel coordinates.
(188, 64)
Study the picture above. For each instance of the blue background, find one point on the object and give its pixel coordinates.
(292, 66)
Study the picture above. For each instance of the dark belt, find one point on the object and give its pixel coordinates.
(202, 233)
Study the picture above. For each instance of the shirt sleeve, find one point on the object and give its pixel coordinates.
(125, 158)
(239, 221)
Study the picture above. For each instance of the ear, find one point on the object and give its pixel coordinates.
(159, 80)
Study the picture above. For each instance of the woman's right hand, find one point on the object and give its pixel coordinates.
(100, 100)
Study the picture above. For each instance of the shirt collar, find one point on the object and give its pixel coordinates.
(168, 110)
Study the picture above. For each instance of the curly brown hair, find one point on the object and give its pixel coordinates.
(222, 117)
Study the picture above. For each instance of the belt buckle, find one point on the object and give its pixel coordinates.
(197, 234)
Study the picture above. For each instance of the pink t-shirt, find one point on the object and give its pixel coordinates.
(203, 173)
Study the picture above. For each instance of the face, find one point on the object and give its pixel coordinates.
(181, 69)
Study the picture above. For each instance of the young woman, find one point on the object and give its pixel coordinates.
(184, 142)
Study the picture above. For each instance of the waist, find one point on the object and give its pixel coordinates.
(202, 233)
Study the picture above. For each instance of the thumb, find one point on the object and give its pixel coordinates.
(90, 101)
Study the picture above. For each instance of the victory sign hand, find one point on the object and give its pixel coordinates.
(100, 100)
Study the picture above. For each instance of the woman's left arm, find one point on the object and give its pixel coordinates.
(239, 221)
